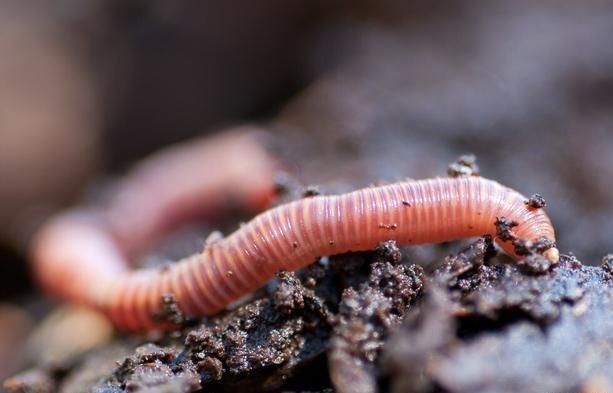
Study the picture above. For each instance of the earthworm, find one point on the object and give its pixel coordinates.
(286, 237)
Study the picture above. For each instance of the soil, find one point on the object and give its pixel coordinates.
(373, 321)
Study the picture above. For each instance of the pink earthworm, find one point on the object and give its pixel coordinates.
(286, 237)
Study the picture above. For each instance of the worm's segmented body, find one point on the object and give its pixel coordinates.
(292, 236)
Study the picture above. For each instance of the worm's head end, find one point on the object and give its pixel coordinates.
(552, 254)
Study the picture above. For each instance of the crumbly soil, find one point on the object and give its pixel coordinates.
(374, 321)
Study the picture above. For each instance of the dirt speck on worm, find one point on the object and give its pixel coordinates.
(170, 312)
(465, 165)
(536, 201)
(504, 228)
(311, 191)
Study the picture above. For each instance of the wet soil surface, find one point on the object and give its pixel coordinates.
(366, 322)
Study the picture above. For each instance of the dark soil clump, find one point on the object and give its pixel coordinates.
(536, 201)
(504, 228)
(367, 316)
(506, 331)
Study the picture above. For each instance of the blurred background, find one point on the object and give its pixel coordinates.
(357, 92)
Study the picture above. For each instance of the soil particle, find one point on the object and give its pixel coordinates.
(170, 311)
(465, 165)
(289, 295)
(284, 183)
(504, 228)
(389, 251)
(366, 317)
(536, 201)
(311, 191)
(211, 367)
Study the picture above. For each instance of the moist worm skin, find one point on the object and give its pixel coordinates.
(293, 235)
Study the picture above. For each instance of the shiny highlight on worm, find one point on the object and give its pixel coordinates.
(287, 237)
